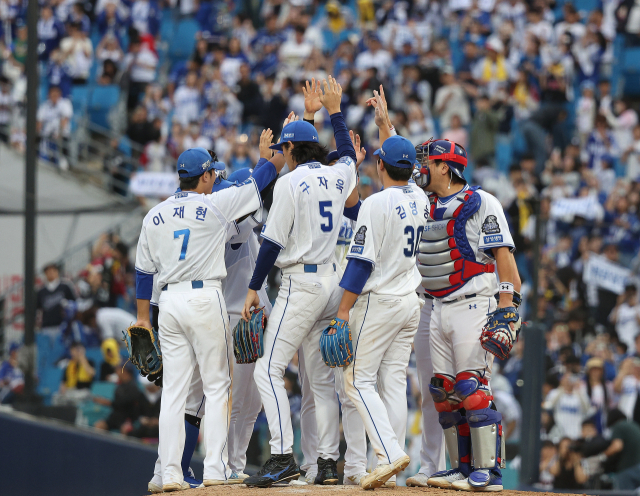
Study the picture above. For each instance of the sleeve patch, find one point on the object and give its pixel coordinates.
(490, 225)
(496, 238)
(360, 236)
(357, 249)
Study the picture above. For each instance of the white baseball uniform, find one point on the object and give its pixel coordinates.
(304, 221)
(240, 256)
(344, 239)
(385, 316)
(182, 241)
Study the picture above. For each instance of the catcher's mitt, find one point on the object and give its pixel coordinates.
(336, 349)
(144, 352)
(497, 336)
(247, 337)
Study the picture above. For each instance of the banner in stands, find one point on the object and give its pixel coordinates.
(567, 208)
(154, 184)
(605, 274)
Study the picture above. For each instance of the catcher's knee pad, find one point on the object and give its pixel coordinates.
(486, 437)
(441, 390)
(472, 390)
(457, 440)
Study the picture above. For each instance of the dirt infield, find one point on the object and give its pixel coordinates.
(242, 490)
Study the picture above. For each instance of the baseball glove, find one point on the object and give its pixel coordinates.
(247, 337)
(144, 352)
(497, 336)
(336, 349)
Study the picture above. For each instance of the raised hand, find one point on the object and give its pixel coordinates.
(332, 95)
(312, 93)
(266, 140)
(290, 118)
(379, 102)
(361, 153)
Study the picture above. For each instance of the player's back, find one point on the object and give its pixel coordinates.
(306, 215)
(388, 235)
(186, 235)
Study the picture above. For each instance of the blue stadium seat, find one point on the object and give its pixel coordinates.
(186, 34)
(49, 383)
(80, 98)
(167, 29)
(631, 60)
(504, 153)
(104, 389)
(102, 100)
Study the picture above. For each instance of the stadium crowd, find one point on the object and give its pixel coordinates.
(524, 86)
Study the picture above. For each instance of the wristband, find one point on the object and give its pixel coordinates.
(506, 287)
(392, 131)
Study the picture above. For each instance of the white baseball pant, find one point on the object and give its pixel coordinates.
(455, 336)
(194, 330)
(352, 426)
(382, 330)
(432, 451)
(306, 303)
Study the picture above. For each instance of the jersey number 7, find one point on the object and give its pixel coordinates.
(185, 241)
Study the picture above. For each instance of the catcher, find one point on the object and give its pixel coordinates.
(461, 251)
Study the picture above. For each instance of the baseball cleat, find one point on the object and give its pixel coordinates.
(479, 481)
(190, 478)
(418, 480)
(327, 472)
(154, 488)
(383, 473)
(445, 478)
(278, 468)
(175, 486)
(391, 483)
(237, 478)
(354, 480)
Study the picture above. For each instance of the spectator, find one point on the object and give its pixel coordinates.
(484, 128)
(54, 126)
(145, 17)
(627, 385)
(598, 390)
(375, 56)
(586, 111)
(493, 72)
(248, 94)
(139, 130)
(294, 52)
(622, 123)
(240, 156)
(548, 458)
(149, 412)
(51, 301)
(109, 49)
(112, 361)
(110, 21)
(78, 16)
(50, 32)
(570, 406)
(79, 372)
(77, 53)
(567, 470)
(58, 73)
(126, 405)
(232, 60)
(626, 316)
(456, 132)
(187, 100)
(140, 63)
(450, 100)
(625, 443)
(631, 156)
(11, 377)
(194, 139)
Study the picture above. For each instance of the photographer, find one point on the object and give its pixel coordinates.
(567, 470)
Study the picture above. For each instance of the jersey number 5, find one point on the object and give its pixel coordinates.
(413, 241)
(185, 241)
(325, 213)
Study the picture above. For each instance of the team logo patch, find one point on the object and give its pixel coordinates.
(496, 238)
(360, 235)
(206, 165)
(357, 249)
(490, 225)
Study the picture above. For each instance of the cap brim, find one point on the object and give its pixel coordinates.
(218, 166)
(377, 152)
(223, 184)
(277, 146)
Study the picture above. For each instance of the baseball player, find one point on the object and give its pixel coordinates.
(467, 242)
(432, 452)
(382, 306)
(182, 241)
(300, 237)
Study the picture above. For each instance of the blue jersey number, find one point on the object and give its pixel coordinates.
(185, 241)
(325, 213)
(413, 241)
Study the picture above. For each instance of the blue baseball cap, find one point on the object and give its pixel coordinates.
(195, 162)
(398, 152)
(297, 131)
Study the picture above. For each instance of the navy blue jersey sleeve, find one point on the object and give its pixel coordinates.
(356, 275)
(144, 285)
(341, 133)
(352, 212)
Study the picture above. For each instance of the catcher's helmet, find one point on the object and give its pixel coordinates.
(452, 154)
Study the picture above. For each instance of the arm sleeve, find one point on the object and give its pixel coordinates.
(264, 174)
(260, 163)
(494, 229)
(341, 134)
(352, 212)
(356, 275)
(144, 285)
(267, 256)
(280, 219)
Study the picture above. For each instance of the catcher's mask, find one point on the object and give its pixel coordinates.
(452, 154)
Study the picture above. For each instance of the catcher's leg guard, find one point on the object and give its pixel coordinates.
(454, 424)
(488, 443)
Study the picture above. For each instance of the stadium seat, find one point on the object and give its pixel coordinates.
(49, 383)
(504, 153)
(104, 389)
(631, 60)
(80, 99)
(186, 33)
(102, 100)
